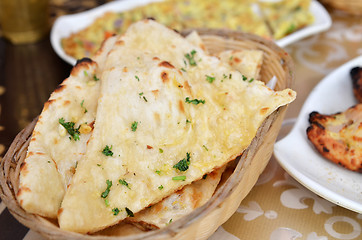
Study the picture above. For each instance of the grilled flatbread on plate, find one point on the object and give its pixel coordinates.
(167, 114)
(53, 153)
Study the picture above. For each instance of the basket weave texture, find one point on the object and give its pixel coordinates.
(204, 221)
(353, 7)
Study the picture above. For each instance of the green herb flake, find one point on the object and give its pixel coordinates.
(179, 178)
(137, 78)
(160, 150)
(231, 58)
(106, 202)
(251, 79)
(134, 126)
(82, 106)
(123, 182)
(230, 76)
(95, 78)
(106, 192)
(188, 121)
(48, 161)
(291, 28)
(98, 165)
(183, 69)
(244, 78)
(115, 211)
(194, 101)
(69, 126)
(141, 93)
(129, 212)
(158, 172)
(183, 164)
(107, 151)
(191, 58)
(210, 79)
(160, 187)
(205, 147)
(205, 176)
(85, 73)
(144, 98)
(224, 75)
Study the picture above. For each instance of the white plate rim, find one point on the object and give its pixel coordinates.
(64, 25)
(281, 149)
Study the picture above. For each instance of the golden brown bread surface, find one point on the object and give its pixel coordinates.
(338, 137)
(356, 76)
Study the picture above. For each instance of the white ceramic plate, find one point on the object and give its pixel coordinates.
(65, 25)
(300, 159)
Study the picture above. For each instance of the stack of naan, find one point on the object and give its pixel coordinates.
(143, 131)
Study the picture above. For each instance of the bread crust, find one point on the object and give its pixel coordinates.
(338, 137)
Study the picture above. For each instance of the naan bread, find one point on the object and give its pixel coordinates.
(53, 154)
(178, 204)
(156, 111)
(248, 62)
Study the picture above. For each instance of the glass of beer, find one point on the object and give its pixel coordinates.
(24, 21)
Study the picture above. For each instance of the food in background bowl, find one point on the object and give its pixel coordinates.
(271, 20)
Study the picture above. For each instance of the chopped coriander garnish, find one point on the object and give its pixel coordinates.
(98, 165)
(160, 187)
(205, 147)
(230, 76)
(179, 178)
(81, 104)
(183, 69)
(107, 150)
(129, 212)
(95, 78)
(183, 164)
(158, 172)
(85, 73)
(190, 58)
(106, 202)
(144, 98)
(123, 182)
(115, 211)
(224, 75)
(244, 78)
(170, 221)
(134, 126)
(194, 101)
(137, 78)
(160, 150)
(141, 93)
(210, 79)
(48, 161)
(69, 126)
(291, 28)
(106, 192)
(251, 79)
(188, 121)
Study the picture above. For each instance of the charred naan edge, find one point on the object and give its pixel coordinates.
(356, 76)
(151, 135)
(178, 204)
(53, 154)
(338, 137)
(247, 62)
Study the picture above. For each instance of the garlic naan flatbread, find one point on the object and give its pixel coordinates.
(180, 203)
(162, 120)
(53, 153)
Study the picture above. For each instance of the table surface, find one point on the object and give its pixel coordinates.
(278, 204)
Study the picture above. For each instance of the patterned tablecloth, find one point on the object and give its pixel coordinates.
(278, 207)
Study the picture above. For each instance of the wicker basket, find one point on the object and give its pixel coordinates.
(204, 221)
(353, 7)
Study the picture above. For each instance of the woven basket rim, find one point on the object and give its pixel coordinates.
(7, 190)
